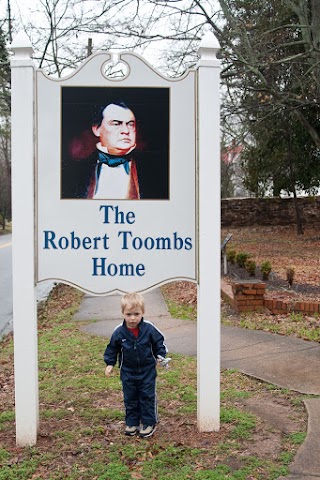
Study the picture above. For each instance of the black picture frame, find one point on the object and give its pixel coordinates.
(79, 108)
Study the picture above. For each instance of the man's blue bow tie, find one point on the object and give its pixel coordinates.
(113, 161)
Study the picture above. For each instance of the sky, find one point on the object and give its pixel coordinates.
(27, 13)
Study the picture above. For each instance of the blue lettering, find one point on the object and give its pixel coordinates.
(99, 266)
(49, 236)
(118, 217)
(141, 269)
(63, 243)
(188, 243)
(102, 269)
(106, 212)
(178, 242)
(75, 241)
(124, 234)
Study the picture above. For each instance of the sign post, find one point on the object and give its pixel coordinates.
(73, 224)
(23, 243)
(208, 319)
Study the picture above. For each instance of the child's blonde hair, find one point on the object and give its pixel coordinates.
(132, 300)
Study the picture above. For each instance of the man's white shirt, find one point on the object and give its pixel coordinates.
(113, 182)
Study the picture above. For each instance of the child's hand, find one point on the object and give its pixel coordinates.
(108, 370)
(163, 362)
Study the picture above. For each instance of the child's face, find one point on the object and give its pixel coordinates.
(133, 316)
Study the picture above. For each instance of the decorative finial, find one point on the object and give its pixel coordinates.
(208, 49)
(21, 46)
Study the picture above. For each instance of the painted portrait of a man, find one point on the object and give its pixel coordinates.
(115, 143)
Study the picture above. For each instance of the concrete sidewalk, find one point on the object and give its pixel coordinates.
(105, 314)
(283, 361)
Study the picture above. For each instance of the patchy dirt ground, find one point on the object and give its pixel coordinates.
(69, 438)
(283, 248)
(181, 292)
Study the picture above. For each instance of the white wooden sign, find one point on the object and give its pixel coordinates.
(116, 187)
(104, 242)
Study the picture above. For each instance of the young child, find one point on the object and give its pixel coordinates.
(137, 344)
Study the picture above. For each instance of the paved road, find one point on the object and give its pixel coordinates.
(5, 282)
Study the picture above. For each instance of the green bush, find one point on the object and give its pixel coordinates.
(241, 259)
(251, 266)
(265, 269)
(231, 256)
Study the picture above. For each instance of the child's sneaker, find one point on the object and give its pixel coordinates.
(147, 431)
(131, 430)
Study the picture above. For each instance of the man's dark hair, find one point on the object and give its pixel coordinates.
(97, 114)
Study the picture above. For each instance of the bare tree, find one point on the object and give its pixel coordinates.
(255, 36)
(5, 153)
(5, 171)
(5, 199)
(270, 50)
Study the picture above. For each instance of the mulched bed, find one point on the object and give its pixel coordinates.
(277, 287)
(283, 248)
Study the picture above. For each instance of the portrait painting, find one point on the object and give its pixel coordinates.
(115, 143)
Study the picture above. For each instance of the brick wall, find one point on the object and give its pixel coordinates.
(268, 211)
(249, 295)
(282, 307)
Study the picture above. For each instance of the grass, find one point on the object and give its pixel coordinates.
(182, 311)
(292, 324)
(81, 428)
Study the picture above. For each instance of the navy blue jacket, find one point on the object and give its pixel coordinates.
(135, 353)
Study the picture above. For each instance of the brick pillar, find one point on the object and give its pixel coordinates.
(248, 295)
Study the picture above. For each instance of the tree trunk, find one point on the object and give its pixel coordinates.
(299, 226)
(307, 125)
(3, 220)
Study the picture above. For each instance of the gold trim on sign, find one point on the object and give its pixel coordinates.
(117, 290)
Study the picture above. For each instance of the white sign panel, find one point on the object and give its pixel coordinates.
(116, 200)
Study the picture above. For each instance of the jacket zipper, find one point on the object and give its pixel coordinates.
(137, 353)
